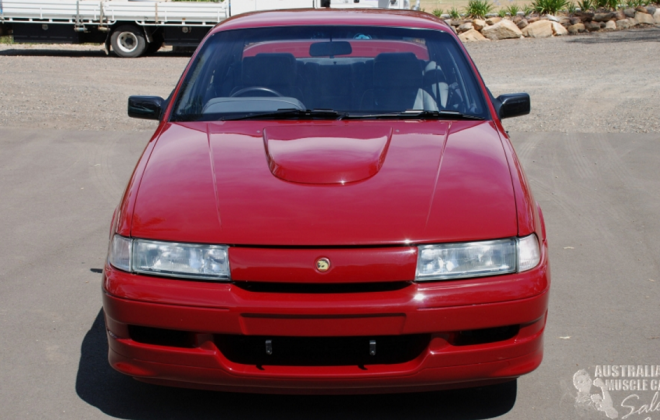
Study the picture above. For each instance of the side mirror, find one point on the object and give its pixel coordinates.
(513, 105)
(145, 107)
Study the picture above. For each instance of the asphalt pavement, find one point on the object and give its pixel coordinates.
(600, 194)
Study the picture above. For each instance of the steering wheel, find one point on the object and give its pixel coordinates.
(255, 89)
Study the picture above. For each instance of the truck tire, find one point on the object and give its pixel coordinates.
(128, 41)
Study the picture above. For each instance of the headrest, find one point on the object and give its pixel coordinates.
(397, 70)
(433, 73)
(269, 69)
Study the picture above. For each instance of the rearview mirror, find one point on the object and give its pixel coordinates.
(145, 107)
(330, 49)
(513, 105)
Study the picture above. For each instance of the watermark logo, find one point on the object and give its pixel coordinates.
(619, 391)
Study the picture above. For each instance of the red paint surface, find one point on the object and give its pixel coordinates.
(439, 182)
(363, 265)
(238, 183)
(326, 154)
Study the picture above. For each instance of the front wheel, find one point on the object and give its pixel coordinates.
(128, 41)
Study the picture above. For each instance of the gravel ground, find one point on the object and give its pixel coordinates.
(596, 83)
(605, 82)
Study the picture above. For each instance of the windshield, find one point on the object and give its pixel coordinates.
(355, 71)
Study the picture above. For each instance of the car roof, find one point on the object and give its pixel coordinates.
(326, 16)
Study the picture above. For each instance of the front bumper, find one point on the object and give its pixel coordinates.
(206, 310)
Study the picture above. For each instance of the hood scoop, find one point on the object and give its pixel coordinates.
(326, 154)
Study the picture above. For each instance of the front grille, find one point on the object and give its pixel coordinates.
(271, 287)
(321, 351)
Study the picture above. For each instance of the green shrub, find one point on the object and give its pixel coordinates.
(513, 10)
(609, 4)
(501, 13)
(527, 9)
(453, 13)
(437, 12)
(549, 6)
(572, 8)
(479, 8)
(585, 5)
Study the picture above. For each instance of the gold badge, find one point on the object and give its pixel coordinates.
(323, 264)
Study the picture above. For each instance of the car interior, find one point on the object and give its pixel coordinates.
(383, 82)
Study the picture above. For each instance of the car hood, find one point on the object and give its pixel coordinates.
(288, 184)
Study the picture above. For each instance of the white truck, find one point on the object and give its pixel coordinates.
(135, 28)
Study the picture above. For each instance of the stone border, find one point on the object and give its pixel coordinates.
(546, 26)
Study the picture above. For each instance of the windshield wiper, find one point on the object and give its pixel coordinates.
(290, 113)
(418, 114)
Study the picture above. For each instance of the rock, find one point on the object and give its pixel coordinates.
(620, 15)
(592, 26)
(472, 36)
(552, 18)
(540, 29)
(517, 19)
(565, 22)
(522, 24)
(584, 16)
(602, 25)
(575, 20)
(465, 27)
(645, 18)
(558, 29)
(604, 17)
(629, 12)
(611, 25)
(656, 17)
(641, 9)
(448, 22)
(456, 23)
(532, 19)
(623, 24)
(633, 22)
(651, 10)
(577, 28)
(478, 24)
(493, 20)
(504, 29)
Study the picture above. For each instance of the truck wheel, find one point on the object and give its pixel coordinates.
(128, 41)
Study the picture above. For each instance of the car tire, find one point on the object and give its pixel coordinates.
(128, 41)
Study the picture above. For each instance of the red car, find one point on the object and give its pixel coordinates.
(329, 205)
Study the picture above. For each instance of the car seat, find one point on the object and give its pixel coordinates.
(397, 85)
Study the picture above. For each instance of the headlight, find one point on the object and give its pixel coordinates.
(208, 262)
(529, 253)
(477, 259)
(120, 253)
